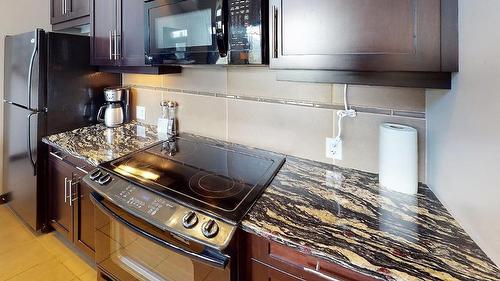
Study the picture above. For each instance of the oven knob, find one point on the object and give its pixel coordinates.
(104, 180)
(190, 219)
(210, 229)
(95, 174)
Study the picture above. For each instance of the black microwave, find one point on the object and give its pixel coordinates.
(186, 32)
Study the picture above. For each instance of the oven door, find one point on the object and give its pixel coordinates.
(127, 248)
(186, 32)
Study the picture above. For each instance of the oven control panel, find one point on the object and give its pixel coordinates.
(161, 211)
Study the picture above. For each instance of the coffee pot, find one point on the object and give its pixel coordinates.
(116, 111)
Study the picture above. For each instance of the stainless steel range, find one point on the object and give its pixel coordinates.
(171, 211)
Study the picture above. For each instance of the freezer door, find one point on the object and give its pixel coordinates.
(24, 82)
(21, 162)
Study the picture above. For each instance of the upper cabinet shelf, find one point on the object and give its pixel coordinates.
(364, 36)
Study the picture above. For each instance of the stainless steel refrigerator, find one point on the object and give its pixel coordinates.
(49, 87)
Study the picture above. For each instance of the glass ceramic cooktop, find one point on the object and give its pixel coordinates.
(204, 175)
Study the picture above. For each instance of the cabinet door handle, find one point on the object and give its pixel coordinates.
(74, 197)
(111, 45)
(275, 31)
(318, 273)
(70, 193)
(65, 190)
(116, 45)
(63, 8)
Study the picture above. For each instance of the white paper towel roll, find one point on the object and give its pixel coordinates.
(398, 158)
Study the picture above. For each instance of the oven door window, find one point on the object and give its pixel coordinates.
(126, 255)
(184, 31)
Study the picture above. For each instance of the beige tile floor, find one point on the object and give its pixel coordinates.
(26, 256)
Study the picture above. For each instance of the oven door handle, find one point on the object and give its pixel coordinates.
(207, 257)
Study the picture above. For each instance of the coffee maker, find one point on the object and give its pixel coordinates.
(116, 110)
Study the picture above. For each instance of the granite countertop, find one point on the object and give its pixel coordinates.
(344, 216)
(98, 144)
(338, 214)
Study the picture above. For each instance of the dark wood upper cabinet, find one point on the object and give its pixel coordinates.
(103, 25)
(132, 32)
(67, 10)
(356, 35)
(118, 32)
(351, 38)
(117, 38)
(79, 8)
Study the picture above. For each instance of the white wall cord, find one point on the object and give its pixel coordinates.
(341, 114)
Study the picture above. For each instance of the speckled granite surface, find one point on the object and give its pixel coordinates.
(343, 216)
(98, 144)
(338, 214)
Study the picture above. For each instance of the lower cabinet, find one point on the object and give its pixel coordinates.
(71, 212)
(269, 261)
(261, 271)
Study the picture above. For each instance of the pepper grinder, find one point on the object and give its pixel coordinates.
(167, 123)
(172, 128)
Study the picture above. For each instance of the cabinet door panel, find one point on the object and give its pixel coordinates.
(84, 236)
(132, 33)
(103, 22)
(57, 11)
(60, 213)
(79, 8)
(359, 35)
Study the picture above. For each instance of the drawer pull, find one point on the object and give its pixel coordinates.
(82, 170)
(57, 156)
(317, 272)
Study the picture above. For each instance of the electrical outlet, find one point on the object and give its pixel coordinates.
(338, 151)
(140, 112)
(333, 149)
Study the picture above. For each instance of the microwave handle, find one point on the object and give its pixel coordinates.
(221, 28)
(204, 257)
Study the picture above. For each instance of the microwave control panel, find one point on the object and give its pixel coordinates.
(246, 32)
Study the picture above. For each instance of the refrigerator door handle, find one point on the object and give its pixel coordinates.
(32, 62)
(30, 153)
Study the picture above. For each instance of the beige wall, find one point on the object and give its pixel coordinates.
(291, 129)
(17, 16)
(464, 129)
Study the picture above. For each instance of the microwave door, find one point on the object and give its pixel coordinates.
(186, 32)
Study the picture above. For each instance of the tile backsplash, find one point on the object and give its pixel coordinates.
(248, 105)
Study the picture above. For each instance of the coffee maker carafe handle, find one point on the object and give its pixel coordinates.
(100, 117)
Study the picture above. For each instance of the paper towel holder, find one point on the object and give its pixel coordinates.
(398, 157)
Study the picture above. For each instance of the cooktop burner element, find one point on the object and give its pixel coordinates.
(214, 186)
(222, 180)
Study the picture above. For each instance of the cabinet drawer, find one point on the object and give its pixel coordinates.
(295, 263)
(263, 272)
(79, 164)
